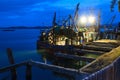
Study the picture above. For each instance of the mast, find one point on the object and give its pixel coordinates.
(113, 2)
(76, 16)
(98, 25)
(54, 19)
(53, 28)
(119, 5)
(99, 18)
(112, 5)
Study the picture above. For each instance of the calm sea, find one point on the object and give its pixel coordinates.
(24, 47)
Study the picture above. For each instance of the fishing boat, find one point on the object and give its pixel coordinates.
(66, 37)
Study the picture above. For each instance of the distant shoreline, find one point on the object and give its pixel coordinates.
(25, 27)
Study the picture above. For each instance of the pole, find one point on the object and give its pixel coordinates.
(28, 71)
(98, 30)
(11, 60)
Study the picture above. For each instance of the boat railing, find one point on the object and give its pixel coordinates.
(30, 63)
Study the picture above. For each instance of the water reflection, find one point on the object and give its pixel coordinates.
(50, 58)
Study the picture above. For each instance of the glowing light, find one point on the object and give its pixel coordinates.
(83, 20)
(86, 20)
(91, 19)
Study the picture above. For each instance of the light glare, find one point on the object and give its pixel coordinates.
(83, 20)
(91, 19)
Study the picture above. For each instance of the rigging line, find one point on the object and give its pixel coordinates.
(117, 15)
(110, 17)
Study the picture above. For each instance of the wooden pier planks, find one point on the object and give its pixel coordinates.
(74, 57)
(85, 51)
(102, 61)
(97, 48)
(101, 44)
(110, 72)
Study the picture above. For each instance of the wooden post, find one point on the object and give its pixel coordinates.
(28, 71)
(11, 60)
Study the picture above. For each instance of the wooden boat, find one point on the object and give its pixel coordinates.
(65, 38)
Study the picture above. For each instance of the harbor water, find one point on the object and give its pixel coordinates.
(23, 43)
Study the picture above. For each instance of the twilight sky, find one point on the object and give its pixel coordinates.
(40, 12)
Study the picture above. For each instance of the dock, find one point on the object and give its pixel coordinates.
(86, 51)
(67, 71)
(30, 63)
(102, 61)
(108, 62)
(97, 47)
(74, 57)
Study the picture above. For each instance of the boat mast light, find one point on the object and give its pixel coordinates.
(83, 20)
(86, 20)
(91, 19)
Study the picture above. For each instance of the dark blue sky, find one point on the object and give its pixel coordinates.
(40, 12)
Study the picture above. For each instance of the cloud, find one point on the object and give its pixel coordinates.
(37, 12)
(13, 16)
(11, 5)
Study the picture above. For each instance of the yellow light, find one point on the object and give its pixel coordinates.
(83, 20)
(91, 19)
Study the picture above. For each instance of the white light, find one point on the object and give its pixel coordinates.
(91, 19)
(83, 20)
